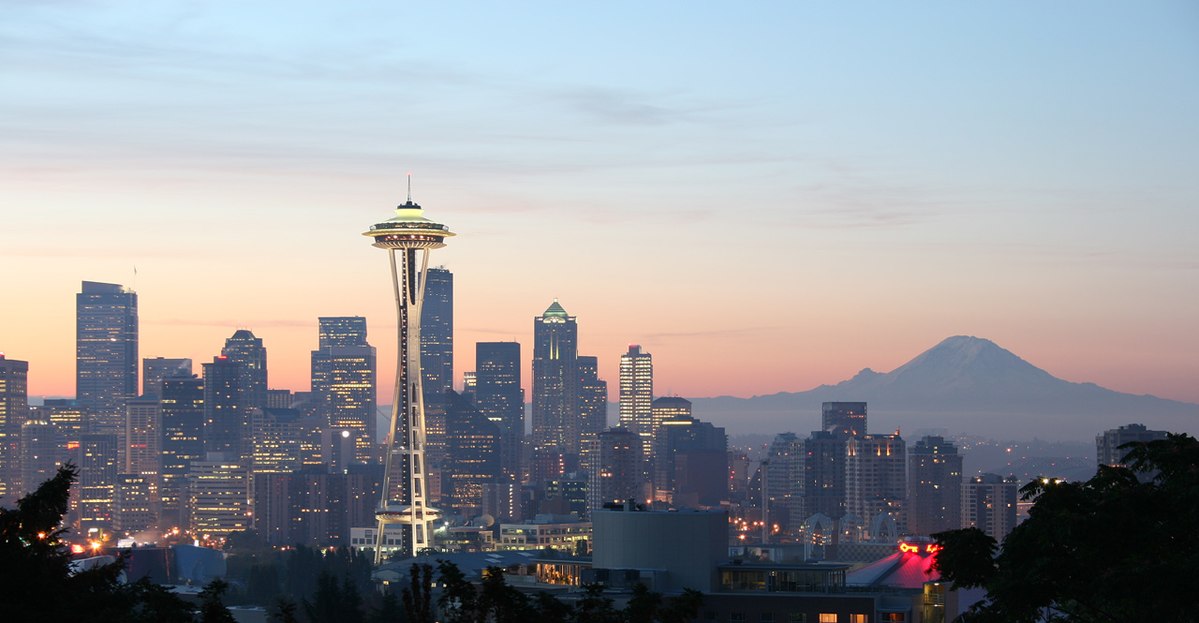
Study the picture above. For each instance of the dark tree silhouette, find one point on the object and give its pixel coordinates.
(212, 608)
(417, 598)
(1113, 548)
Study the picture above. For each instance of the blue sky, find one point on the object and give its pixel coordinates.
(767, 196)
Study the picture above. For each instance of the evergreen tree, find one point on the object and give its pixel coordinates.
(417, 598)
(212, 608)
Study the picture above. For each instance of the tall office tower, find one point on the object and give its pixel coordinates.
(469, 383)
(248, 352)
(42, 451)
(691, 460)
(14, 410)
(344, 379)
(617, 476)
(593, 396)
(1107, 443)
(875, 480)
(824, 474)
(667, 408)
(218, 492)
(473, 447)
(182, 418)
(154, 370)
(637, 396)
(275, 435)
(934, 486)
(843, 418)
(408, 238)
(142, 448)
(333, 331)
(437, 335)
(989, 504)
(350, 396)
(105, 353)
(555, 397)
(499, 397)
(135, 504)
(784, 483)
(67, 418)
(97, 461)
(226, 422)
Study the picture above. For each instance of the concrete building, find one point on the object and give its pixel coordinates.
(1107, 443)
(218, 496)
(182, 443)
(617, 476)
(564, 533)
(680, 549)
(934, 486)
(97, 461)
(42, 451)
(248, 352)
(989, 504)
(876, 482)
(843, 418)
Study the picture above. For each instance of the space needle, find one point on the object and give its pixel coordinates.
(408, 237)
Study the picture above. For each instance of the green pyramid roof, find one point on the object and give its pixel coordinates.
(554, 310)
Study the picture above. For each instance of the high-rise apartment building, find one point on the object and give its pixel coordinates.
(141, 452)
(42, 451)
(499, 397)
(182, 420)
(875, 480)
(934, 486)
(637, 395)
(1107, 443)
(783, 483)
(843, 418)
(593, 397)
(14, 410)
(555, 395)
(105, 353)
(824, 474)
(226, 421)
(989, 504)
(218, 493)
(155, 369)
(248, 352)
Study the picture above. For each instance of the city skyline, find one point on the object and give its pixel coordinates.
(962, 170)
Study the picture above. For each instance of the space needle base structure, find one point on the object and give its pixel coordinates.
(408, 237)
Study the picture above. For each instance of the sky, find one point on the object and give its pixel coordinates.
(766, 196)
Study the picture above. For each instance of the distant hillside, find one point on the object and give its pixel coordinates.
(964, 384)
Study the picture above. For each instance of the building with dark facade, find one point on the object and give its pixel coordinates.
(989, 504)
(934, 486)
(555, 396)
(472, 452)
(226, 422)
(155, 369)
(843, 418)
(1107, 443)
(246, 350)
(690, 460)
(106, 361)
(876, 482)
(14, 410)
(344, 379)
(617, 474)
(824, 474)
(499, 397)
(182, 442)
(437, 336)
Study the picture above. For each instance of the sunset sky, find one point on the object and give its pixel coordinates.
(766, 196)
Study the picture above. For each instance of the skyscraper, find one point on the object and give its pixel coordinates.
(555, 396)
(989, 504)
(14, 409)
(617, 475)
(344, 379)
(437, 335)
(843, 418)
(637, 395)
(499, 397)
(473, 448)
(154, 370)
(182, 443)
(875, 481)
(783, 483)
(248, 352)
(105, 353)
(593, 397)
(934, 486)
(97, 461)
(226, 421)
(408, 238)
(824, 474)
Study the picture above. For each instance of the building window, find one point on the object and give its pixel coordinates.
(736, 617)
(766, 617)
(797, 617)
(828, 617)
(857, 618)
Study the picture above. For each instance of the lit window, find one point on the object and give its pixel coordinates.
(826, 617)
(857, 618)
